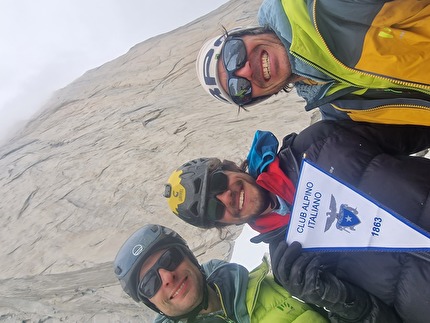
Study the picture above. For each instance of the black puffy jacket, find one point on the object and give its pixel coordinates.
(375, 159)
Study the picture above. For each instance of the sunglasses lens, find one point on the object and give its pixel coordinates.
(151, 281)
(215, 209)
(234, 58)
(218, 183)
(240, 90)
(171, 259)
(150, 284)
(234, 54)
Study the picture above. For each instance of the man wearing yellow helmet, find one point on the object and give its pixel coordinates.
(372, 158)
(192, 189)
(359, 60)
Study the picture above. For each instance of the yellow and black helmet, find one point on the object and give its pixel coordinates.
(186, 191)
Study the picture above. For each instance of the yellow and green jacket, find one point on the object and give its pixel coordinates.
(269, 302)
(252, 297)
(255, 297)
(364, 60)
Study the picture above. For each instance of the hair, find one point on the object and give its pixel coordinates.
(244, 165)
(249, 31)
(228, 165)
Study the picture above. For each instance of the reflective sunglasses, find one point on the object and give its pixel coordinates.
(218, 183)
(151, 281)
(234, 58)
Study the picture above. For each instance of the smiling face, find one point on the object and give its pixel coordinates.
(244, 199)
(181, 288)
(267, 67)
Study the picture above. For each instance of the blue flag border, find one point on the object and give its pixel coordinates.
(364, 195)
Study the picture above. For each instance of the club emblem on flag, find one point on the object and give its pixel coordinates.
(346, 217)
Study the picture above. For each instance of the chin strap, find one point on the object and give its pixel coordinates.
(288, 87)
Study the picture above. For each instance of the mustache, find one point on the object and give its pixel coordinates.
(235, 208)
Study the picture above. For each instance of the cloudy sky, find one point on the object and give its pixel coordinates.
(46, 44)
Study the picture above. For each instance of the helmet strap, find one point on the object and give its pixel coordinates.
(288, 87)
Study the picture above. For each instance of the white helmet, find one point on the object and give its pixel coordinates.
(206, 65)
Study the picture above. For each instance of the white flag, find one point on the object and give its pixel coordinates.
(329, 215)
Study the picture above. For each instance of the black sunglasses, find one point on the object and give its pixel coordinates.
(234, 58)
(151, 281)
(218, 183)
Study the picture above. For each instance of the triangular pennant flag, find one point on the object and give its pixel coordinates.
(329, 215)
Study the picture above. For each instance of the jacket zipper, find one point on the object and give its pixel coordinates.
(421, 107)
(222, 305)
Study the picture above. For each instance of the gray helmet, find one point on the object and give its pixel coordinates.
(186, 191)
(139, 247)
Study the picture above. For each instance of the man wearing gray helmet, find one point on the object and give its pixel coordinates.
(155, 266)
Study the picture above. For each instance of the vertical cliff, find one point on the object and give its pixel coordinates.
(89, 169)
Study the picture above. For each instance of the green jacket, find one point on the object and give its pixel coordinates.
(252, 297)
(269, 302)
(368, 60)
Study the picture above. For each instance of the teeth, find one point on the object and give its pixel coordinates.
(266, 66)
(177, 292)
(241, 198)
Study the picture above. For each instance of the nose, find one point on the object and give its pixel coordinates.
(167, 276)
(225, 197)
(245, 71)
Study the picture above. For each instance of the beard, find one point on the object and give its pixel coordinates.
(264, 202)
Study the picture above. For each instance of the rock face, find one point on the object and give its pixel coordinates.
(89, 170)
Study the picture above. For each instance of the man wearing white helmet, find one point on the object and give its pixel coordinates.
(359, 60)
